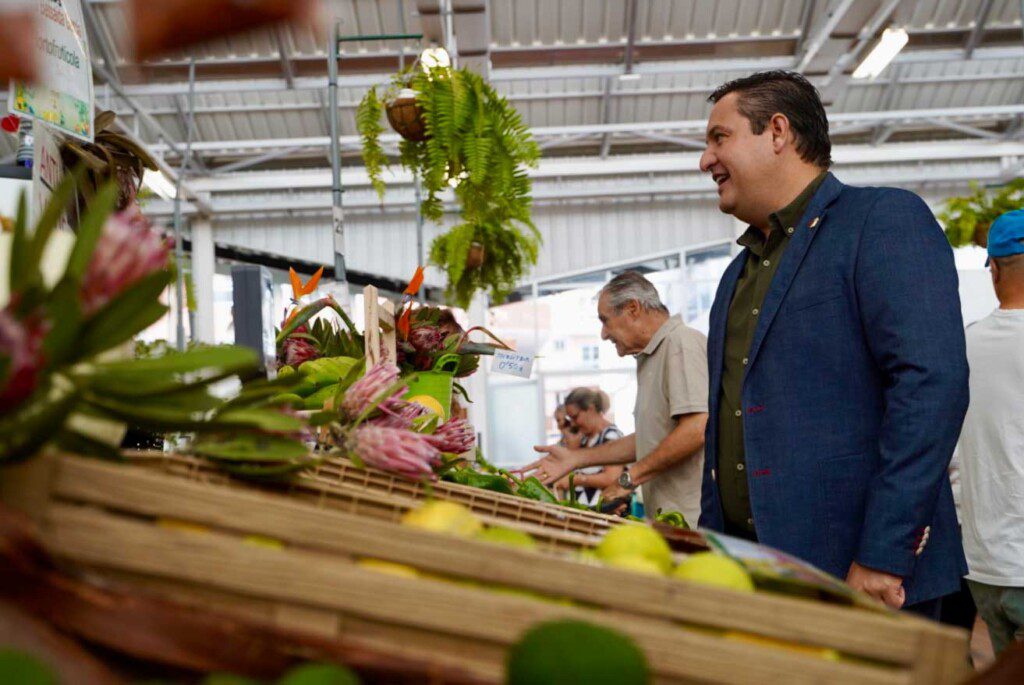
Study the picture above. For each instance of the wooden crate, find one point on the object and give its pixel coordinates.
(194, 540)
(340, 484)
(379, 327)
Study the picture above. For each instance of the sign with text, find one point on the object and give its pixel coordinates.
(63, 96)
(512, 363)
(47, 172)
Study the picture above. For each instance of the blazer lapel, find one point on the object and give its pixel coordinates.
(809, 226)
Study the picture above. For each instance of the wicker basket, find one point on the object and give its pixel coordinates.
(340, 485)
(280, 558)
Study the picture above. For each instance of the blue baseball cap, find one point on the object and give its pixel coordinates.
(1006, 235)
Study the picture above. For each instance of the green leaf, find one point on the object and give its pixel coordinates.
(36, 243)
(262, 390)
(158, 418)
(19, 245)
(34, 423)
(90, 229)
(172, 372)
(64, 311)
(255, 447)
(262, 419)
(78, 443)
(129, 313)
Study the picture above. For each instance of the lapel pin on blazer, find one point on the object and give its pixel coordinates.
(814, 222)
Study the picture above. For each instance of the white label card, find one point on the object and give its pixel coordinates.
(512, 363)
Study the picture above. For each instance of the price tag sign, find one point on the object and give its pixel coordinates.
(512, 363)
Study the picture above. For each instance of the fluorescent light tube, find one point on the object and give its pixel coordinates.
(159, 184)
(878, 59)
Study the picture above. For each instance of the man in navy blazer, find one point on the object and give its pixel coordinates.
(836, 357)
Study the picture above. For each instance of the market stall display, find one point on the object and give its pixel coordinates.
(280, 559)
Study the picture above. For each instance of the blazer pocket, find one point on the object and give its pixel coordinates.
(813, 299)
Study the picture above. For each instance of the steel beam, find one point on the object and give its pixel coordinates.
(619, 166)
(101, 43)
(606, 116)
(806, 17)
(287, 70)
(979, 28)
(964, 128)
(627, 61)
(665, 127)
(689, 185)
(864, 38)
(673, 140)
(321, 105)
(836, 13)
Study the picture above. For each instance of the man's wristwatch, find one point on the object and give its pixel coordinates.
(626, 480)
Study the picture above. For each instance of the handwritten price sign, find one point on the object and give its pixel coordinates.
(512, 363)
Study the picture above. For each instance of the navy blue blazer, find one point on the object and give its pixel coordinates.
(855, 392)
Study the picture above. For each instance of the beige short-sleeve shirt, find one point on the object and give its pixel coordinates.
(672, 380)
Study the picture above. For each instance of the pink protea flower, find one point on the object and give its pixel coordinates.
(399, 414)
(21, 358)
(369, 388)
(128, 250)
(454, 437)
(395, 450)
(295, 351)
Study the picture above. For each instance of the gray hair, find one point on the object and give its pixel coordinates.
(629, 286)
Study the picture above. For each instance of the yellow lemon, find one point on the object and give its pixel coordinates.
(821, 652)
(389, 567)
(444, 517)
(636, 563)
(507, 536)
(714, 569)
(635, 539)
(429, 403)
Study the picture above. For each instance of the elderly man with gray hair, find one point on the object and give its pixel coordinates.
(666, 454)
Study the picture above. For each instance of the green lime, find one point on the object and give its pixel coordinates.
(575, 653)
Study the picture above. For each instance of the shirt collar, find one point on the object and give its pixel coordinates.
(753, 238)
(671, 324)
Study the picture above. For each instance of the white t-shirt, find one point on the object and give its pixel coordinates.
(991, 451)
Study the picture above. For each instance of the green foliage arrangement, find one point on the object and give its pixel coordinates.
(477, 145)
(56, 367)
(966, 219)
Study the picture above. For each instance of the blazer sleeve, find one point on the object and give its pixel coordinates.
(907, 293)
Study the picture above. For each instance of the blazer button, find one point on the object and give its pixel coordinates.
(739, 467)
(739, 412)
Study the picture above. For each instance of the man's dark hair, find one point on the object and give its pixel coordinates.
(764, 94)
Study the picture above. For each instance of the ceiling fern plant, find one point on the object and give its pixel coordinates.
(477, 145)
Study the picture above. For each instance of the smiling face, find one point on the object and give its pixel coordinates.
(741, 163)
(589, 420)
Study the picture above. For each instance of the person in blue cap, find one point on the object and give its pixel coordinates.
(992, 443)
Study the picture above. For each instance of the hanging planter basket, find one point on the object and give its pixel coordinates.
(476, 256)
(406, 116)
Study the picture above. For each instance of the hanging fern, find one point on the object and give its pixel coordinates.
(368, 116)
(478, 145)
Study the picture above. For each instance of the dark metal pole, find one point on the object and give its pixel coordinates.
(337, 214)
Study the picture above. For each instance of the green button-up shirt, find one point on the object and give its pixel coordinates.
(763, 257)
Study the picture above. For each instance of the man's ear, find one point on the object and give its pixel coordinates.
(780, 130)
(633, 307)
